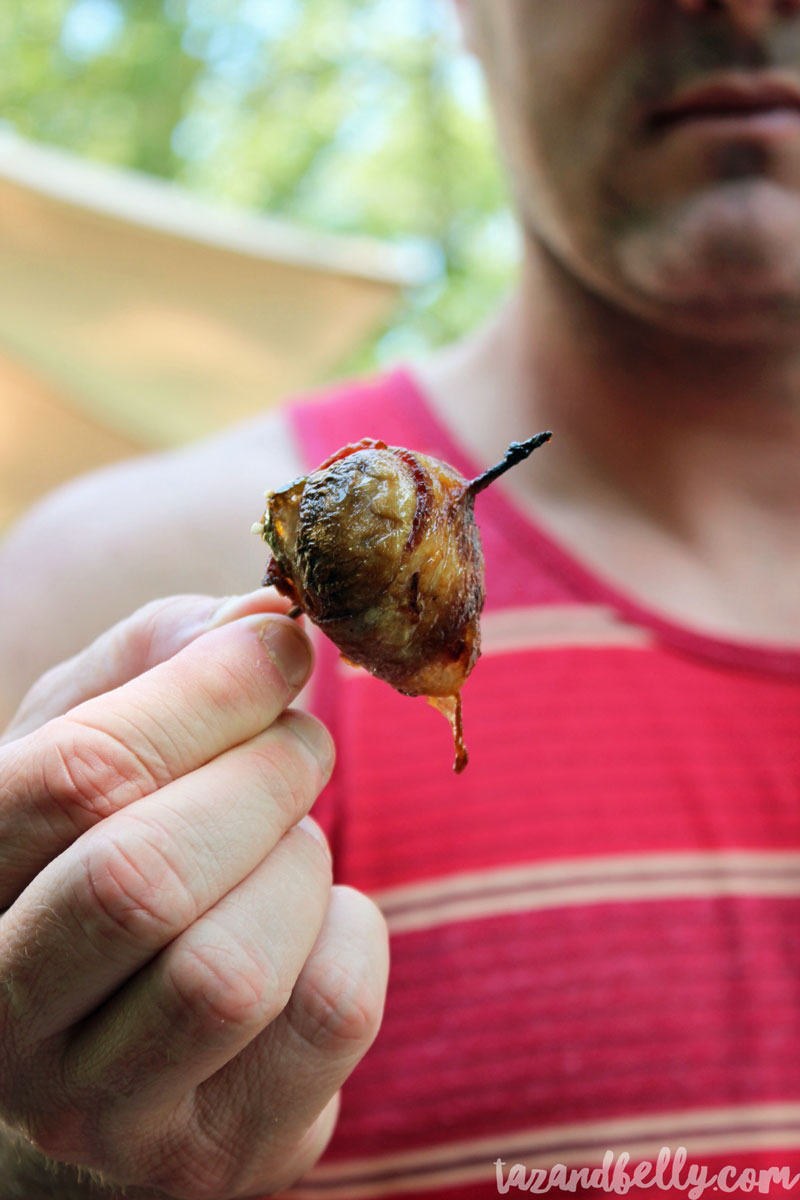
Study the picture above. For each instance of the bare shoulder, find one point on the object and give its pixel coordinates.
(106, 543)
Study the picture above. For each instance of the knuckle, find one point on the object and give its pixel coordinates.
(337, 1006)
(226, 987)
(88, 772)
(133, 888)
(339, 1000)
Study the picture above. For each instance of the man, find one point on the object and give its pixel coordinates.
(595, 927)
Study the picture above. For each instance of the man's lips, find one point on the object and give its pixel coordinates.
(734, 98)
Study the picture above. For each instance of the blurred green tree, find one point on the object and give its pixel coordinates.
(346, 115)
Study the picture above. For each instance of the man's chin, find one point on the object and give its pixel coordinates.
(726, 265)
(771, 322)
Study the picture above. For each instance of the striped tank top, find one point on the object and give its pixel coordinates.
(595, 930)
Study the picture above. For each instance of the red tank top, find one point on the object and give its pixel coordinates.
(596, 928)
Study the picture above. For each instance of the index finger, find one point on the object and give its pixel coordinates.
(149, 636)
(221, 690)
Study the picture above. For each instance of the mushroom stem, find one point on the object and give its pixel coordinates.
(517, 452)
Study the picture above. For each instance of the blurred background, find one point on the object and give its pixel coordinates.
(208, 204)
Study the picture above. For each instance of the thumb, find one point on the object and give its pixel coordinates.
(131, 647)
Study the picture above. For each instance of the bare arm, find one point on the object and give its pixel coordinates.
(103, 545)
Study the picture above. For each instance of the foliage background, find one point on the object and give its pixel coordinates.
(344, 115)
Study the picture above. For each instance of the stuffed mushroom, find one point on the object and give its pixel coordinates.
(379, 547)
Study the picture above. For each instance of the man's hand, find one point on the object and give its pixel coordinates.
(181, 991)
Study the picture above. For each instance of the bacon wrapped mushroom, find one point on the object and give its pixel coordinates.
(379, 547)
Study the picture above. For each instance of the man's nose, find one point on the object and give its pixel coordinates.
(748, 15)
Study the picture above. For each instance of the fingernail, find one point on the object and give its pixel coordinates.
(311, 826)
(314, 735)
(289, 649)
